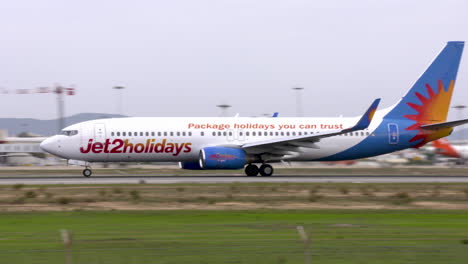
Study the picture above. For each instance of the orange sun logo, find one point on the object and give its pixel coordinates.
(433, 109)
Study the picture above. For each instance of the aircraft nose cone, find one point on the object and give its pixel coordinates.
(50, 145)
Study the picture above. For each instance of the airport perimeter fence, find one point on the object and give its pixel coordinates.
(278, 243)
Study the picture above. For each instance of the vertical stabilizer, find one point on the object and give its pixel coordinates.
(428, 101)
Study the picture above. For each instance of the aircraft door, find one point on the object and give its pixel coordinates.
(393, 135)
(99, 133)
(99, 136)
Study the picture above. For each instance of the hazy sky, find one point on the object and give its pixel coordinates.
(182, 58)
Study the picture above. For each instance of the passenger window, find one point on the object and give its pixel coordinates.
(141, 134)
(124, 134)
(247, 133)
(282, 133)
(130, 133)
(147, 134)
(118, 134)
(271, 133)
(276, 133)
(300, 133)
(230, 133)
(287, 133)
(219, 133)
(178, 133)
(201, 133)
(240, 133)
(190, 133)
(214, 133)
(165, 134)
(254, 133)
(183, 134)
(152, 134)
(224, 134)
(112, 134)
(293, 133)
(159, 134)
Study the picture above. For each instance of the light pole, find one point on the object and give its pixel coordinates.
(224, 108)
(298, 101)
(59, 90)
(119, 99)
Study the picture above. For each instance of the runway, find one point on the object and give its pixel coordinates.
(53, 180)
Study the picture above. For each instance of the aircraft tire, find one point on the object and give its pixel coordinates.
(87, 173)
(266, 170)
(251, 170)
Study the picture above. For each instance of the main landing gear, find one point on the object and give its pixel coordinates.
(87, 172)
(264, 170)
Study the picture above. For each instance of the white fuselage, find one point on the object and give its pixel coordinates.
(181, 139)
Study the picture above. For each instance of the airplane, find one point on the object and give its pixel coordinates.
(443, 147)
(211, 143)
(33, 139)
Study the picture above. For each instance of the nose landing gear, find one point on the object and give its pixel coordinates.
(264, 170)
(87, 172)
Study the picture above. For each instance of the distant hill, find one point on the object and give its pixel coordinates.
(16, 126)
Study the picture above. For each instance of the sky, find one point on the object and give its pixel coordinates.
(184, 57)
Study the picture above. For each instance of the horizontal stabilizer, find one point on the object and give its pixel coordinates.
(445, 124)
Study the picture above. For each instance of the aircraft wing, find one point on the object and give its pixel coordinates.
(290, 145)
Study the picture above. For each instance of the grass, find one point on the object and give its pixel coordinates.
(254, 236)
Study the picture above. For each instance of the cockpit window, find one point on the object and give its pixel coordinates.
(69, 132)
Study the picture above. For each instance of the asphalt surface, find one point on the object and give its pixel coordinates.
(56, 179)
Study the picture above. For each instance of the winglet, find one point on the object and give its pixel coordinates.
(275, 114)
(366, 119)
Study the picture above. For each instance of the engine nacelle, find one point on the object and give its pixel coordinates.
(190, 165)
(212, 158)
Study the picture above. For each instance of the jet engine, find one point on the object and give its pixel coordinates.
(222, 158)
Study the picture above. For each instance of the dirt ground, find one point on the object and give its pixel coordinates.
(234, 196)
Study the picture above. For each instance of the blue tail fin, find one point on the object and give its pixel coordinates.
(428, 100)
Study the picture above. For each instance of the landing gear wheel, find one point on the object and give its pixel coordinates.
(251, 170)
(266, 170)
(87, 172)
